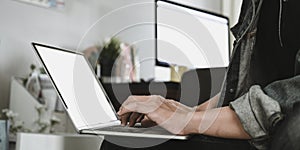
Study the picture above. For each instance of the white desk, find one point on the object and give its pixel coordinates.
(36, 141)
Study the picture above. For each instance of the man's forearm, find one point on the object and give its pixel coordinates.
(209, 104)
(218, 122)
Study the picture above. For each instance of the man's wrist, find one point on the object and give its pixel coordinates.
(194, 124)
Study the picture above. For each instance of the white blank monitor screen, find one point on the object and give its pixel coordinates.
(191, 37)
(85, 100)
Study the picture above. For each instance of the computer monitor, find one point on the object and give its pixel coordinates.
(191, 37)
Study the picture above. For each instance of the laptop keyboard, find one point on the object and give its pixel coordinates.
(137, 129)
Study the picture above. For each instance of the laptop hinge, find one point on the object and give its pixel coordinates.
(98, 126)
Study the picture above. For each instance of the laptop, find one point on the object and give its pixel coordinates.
(84, 98)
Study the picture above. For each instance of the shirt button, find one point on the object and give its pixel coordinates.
(231, 90)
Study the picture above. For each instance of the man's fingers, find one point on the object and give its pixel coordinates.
(147, 122)
(141, 117)
(133, 118)
(124, 119)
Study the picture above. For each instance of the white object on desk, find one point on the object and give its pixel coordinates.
(33, 141)
(162, 73)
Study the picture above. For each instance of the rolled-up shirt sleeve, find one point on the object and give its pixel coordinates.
(260, 110)
(254, 110)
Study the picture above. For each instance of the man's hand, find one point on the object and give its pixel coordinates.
(152, 110)
(180, 119)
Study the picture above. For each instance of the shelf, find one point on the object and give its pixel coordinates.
(23, 103)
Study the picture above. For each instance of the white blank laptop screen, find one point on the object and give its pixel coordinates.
(80, 90)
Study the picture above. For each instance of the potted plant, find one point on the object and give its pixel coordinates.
(108, 55)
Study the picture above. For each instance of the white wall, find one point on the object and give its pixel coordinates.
(77, 26)
(232, 10)
(22, 23)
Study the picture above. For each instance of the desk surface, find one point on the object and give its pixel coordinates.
(197, 142)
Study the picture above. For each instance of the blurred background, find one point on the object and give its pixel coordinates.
(88, 26)
(76, 25)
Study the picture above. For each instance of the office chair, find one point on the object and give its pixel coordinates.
(199, 85)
